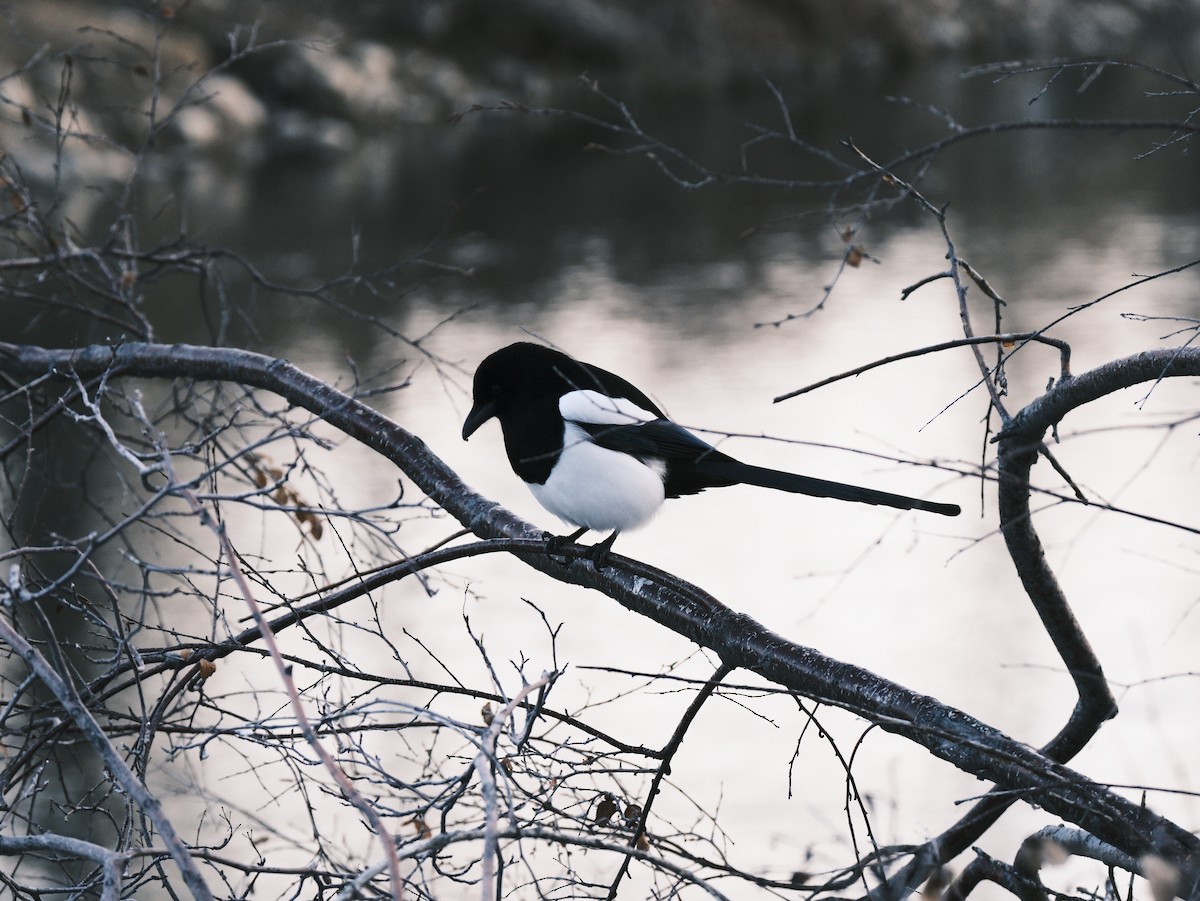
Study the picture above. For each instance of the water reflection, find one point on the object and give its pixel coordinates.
(607, 259)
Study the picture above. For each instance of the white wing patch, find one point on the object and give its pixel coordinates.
(596, 487)
(589, 406)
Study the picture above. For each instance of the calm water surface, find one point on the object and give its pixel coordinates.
(602, 256)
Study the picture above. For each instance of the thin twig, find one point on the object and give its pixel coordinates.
(91, 730)
(1064, 351)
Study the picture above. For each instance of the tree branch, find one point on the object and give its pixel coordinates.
(114, 762)
(947, 733)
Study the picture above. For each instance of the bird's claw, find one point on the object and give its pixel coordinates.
(598, 553)
(556, 545)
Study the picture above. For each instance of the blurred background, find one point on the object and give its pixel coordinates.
(384, 157)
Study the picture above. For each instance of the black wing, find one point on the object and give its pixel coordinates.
(587, 377)
(693, 465)
(688, 459)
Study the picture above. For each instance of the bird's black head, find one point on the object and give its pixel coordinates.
(521, 377)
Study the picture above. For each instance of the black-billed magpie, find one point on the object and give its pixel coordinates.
(599, 454)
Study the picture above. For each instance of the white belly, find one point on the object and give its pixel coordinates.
(598, 488)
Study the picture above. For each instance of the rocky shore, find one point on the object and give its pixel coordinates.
(91, 90)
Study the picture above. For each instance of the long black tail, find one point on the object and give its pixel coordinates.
(734, 471)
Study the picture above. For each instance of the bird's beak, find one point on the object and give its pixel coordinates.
(480, 413)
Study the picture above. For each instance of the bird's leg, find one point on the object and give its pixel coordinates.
(599, 551)
(556, 543)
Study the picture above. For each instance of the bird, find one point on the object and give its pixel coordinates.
(601, 456)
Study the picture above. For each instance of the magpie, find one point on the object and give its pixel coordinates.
(600, 455)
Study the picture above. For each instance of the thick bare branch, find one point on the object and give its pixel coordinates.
(947, 733)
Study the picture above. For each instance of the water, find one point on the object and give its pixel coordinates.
(606, 258)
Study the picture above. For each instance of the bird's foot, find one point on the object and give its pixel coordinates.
(598, 553)
(556, 544)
